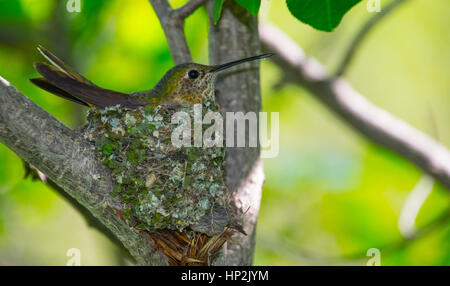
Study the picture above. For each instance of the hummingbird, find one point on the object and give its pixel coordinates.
(188, 83)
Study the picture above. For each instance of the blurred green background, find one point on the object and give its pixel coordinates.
(328, 197)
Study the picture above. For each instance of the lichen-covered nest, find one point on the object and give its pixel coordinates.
(162, 187)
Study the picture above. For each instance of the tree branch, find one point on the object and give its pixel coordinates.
(412, 205)
(362, 34)
(184, 11)
(68, 160)
(374, 123)
(236, 36)
(290, 249)
(172, 22)
(92, 221)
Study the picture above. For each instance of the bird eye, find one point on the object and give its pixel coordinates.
(193, 74)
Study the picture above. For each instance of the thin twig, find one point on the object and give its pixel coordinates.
(173, 28)
(303, 256)
(362, 34)
(172, 22)
(374, 123)
(184, 11)
(413, 204)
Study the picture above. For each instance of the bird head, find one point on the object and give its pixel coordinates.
(194, 83)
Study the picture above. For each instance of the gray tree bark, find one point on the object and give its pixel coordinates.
(236, 36)
(67, 159)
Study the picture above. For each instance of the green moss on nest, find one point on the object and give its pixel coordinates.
(161, 186)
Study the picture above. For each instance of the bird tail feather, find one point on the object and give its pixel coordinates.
(64, 82)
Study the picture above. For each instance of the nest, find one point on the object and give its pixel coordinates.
(176, 194)
(190, 249)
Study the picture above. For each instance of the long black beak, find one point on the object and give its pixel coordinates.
(232, 64)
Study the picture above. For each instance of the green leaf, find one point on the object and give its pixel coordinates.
(217, 10)
(323, 15)
(251, 5)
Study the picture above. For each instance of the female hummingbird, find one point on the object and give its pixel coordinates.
(188, 83)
